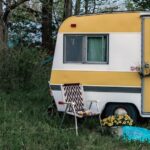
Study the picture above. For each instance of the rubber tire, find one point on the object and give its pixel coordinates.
(131, 111)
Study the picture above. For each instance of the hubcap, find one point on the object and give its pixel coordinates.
(120, 111)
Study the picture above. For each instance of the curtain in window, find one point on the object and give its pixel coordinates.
(97, 50)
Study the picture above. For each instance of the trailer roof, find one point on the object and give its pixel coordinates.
(113, 12)
(103, 23)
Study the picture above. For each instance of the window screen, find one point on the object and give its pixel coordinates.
(73, 48)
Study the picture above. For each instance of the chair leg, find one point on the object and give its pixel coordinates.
(76, 125)
(62, 120)
(76, 121)
(63, 117)
(90, 105)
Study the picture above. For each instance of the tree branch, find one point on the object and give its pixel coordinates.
(31, 10)
(3, 2)
(11, 7)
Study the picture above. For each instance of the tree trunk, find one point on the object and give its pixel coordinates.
(67, 8)
(94, 6)
(5, 21)
(86, 6)
(1, 23)
(47, 40)
(77, 7)
(3, 28)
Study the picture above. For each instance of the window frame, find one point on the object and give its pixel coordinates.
(84, 50)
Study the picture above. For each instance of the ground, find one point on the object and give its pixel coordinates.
(25, 125)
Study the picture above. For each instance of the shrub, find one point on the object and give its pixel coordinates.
(20, 68)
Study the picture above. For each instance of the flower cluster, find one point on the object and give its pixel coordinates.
(117, 120)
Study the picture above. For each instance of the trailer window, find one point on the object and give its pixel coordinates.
(86, 48)
(73, 48)
(97, 49)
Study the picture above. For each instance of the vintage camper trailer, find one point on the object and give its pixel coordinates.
(109, 54)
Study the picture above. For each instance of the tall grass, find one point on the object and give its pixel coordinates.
(24, 121)
(24, 124)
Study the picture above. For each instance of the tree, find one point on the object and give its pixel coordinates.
(94, 6)
(142, 5)
(77, 7)
(58, 13)
(9, 6)
(86, 6)
(67, 8)
(130, 5)
(1, 23)
(40, 13)
(47, 40)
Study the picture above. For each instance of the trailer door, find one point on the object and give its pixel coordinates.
(146, 64)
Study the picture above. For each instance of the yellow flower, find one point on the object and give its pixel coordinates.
(126, 118)
(124, 122)
(120, 117)
(105, 119)
(112, 118)
(117, 120)
(110, 124)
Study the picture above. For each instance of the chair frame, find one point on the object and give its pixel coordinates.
(72, 104)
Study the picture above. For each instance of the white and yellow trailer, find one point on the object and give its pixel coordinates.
(109, 54)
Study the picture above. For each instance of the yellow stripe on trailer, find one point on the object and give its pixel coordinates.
(96, 78)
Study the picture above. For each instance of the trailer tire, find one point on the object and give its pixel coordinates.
(130, 110)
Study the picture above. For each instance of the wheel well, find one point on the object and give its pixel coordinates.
(116, 103)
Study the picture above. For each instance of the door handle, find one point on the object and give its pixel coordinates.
(145, 70)
(147, 66)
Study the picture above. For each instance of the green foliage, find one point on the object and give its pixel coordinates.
(22, 13)
(24, 27)
(20, 68)
(130, 5)
(142, 4)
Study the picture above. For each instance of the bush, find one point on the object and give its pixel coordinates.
(20, 68)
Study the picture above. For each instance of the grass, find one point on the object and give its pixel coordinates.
(25, 125)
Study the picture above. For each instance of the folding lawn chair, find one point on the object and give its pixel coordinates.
(73, 98)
